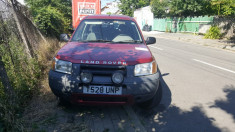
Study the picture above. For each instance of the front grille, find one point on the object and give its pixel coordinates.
(103, 69)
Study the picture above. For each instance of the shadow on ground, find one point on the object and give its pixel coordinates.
(227, 105)
(45, 115)
(168, 118)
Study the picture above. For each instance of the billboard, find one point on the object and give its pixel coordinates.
(82, 8)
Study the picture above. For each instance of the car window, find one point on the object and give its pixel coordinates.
(115, 31)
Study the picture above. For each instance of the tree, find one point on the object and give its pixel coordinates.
(109, 13)
(181, 8)
(53, 17)
(223, 7)
(159, 7)
(128, 7)
(184, 8)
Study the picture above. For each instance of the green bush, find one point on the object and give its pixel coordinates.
(51, 21)
(213, 33)
(24, 74)
(53, 17)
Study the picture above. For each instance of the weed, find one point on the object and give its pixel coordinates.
(213, 33)
(50, 120)
(24, 74)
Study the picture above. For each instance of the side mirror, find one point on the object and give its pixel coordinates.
(64, 37)
(150, 40)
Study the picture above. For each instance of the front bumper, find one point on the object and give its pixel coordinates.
(134, 89)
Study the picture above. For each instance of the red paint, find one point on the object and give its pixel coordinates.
(82, 8)
(127, 54)
(118, 17)
(81, 99)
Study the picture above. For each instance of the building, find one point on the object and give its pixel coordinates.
(111, 8)
(144, 16)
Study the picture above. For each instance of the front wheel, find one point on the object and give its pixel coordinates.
(63, 102)
(155, 101)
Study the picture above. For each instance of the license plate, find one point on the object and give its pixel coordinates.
(109, 90)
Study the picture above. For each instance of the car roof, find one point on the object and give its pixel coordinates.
(121, 17)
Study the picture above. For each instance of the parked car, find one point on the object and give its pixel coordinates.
(106, 61)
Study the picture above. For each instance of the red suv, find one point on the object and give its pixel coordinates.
(106, 61)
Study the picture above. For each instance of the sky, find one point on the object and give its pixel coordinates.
(21, 1)
(103, 2)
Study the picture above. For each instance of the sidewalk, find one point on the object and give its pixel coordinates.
(195, 39)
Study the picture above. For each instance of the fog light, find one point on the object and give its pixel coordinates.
(86, 77)
(117, 78)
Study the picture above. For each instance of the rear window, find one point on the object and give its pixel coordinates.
(116, 31)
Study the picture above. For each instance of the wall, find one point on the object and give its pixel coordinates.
(4, 9)
(21, 25)
(227, 26)
(199, 24)
(144, 16)
(188, 24)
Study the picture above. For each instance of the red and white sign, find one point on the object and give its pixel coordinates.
(82, 8)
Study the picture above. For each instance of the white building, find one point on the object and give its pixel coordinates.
(144, 16)
(111, 8)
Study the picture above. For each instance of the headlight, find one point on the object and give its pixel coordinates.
(146, 68)
(86, 77)
(62, 66)
(117, 78)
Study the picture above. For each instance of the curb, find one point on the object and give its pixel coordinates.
(219, 45)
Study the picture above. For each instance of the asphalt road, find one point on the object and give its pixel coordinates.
(199, 89)
(198, 96)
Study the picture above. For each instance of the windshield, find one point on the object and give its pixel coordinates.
(113, 31)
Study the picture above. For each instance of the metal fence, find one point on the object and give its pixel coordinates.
(188, 24)
(195, 25)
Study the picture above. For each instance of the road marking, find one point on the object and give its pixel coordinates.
(155, 47)
(215, 66)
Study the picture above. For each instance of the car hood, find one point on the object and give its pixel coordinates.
(105, 53)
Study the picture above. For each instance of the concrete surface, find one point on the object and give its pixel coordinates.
(199, 88)
(198, 96)
(195, 39)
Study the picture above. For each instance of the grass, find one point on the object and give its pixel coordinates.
(43, 103)
(52, 119)
(43, 113)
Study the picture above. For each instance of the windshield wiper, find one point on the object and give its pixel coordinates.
(98, 40)
(129, 41)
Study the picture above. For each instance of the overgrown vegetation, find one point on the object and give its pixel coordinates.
(128, 7)
(181, 8)
(53, 17)
(23, 73)
(223, 7)
(159, 8)
(213, 33)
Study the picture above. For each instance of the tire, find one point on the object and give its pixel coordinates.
(63, 102)
(155, 101)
